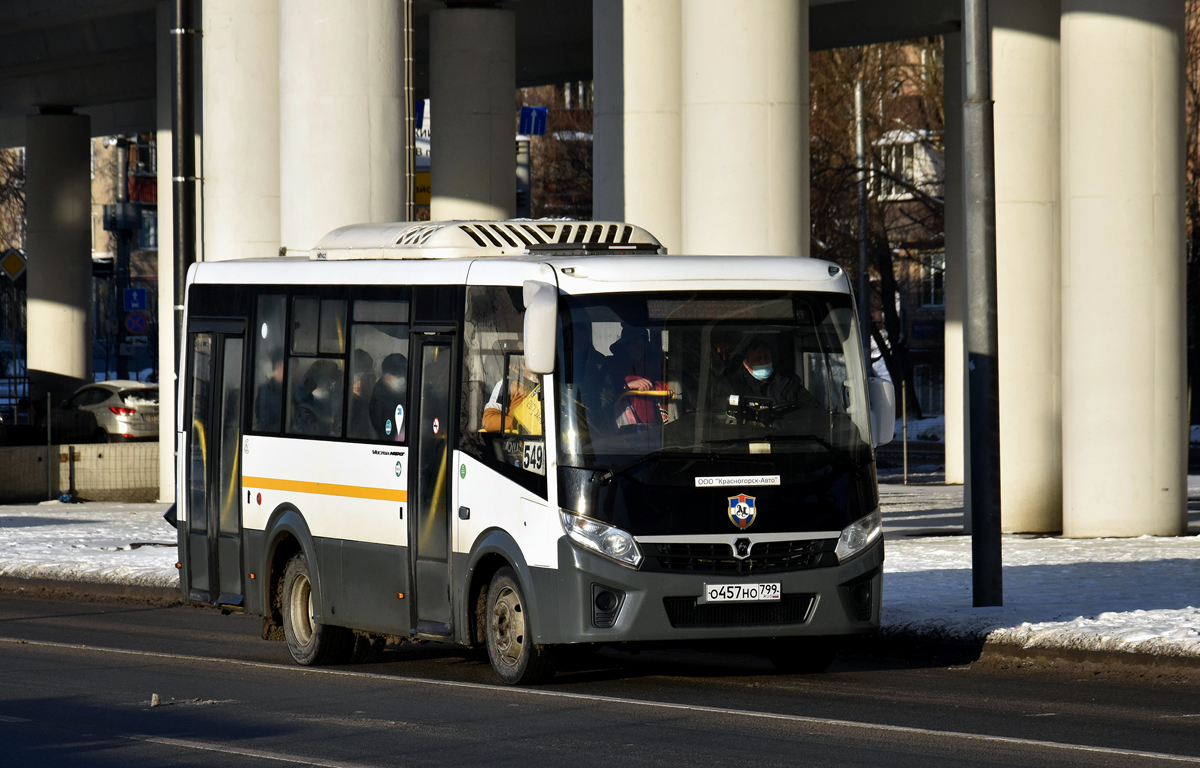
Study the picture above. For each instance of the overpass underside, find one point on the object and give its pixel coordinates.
(300, 130)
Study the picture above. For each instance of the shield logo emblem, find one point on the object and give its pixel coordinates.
(742, 510)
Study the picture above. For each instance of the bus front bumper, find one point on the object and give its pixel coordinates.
(654, 606)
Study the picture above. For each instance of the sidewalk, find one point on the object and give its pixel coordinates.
(1127, 595)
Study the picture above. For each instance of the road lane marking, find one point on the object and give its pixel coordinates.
(7, 719)
(243, 752)
(619, 700)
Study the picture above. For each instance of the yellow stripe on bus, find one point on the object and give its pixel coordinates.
(325, 489)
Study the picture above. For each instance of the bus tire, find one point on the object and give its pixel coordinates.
(516, 659)
(803, 655)
(310, 642)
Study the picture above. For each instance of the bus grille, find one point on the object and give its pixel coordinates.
(765, 557)
(687, 612)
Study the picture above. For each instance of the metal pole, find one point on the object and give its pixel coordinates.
(864, 285)
(979, 184)
(49, 477)
(183, 155)
(410, 136)
(904, 428)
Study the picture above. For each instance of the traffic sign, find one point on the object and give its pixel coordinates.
(136, 323)
(135, 299)
(12, 263)
(533, 121)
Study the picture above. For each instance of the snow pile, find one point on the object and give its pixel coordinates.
(931, 429)
(1137, 595)
(98, 543)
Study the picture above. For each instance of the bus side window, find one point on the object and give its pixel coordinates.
(502, 402)
(268, 363)
(378, 372)
(315, 397)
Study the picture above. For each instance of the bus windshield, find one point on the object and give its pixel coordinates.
(720, 374)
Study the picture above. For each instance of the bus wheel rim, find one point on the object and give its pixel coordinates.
(508, 627)
(302, 609)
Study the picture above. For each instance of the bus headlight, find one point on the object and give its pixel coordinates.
(602, 538)
(858, 535)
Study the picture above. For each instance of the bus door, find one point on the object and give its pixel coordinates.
(429, 521)
(213, 566)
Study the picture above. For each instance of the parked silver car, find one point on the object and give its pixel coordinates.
(108, 411)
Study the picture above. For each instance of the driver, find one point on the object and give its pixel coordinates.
(757, 377)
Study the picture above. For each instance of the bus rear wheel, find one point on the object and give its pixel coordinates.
(310, 642)
(516, 659)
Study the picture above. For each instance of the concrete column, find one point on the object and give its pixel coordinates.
(341, 112)
(240, 119)
(745, 127)
(58, 208)
(954, 379)
(638, 77)
(1123, 356)
(166, 256)
(1025, 88)
(472, 86)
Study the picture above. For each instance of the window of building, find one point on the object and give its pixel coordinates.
(930, 390)
(899, 169)
(933, 280)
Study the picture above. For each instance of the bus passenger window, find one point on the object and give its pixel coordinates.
(268, 363)
(315, 397)
(333, 327)
(378, 380)
(305, 312)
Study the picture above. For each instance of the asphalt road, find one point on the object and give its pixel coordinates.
(77, 679)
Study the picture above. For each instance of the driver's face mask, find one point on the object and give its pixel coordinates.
(762, 372)
(320, 394)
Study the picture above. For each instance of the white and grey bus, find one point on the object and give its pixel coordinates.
(529, 434)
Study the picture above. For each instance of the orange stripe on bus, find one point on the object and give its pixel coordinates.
(325, 489)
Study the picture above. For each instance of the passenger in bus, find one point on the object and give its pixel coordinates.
(633, 363)
(757, 377)
(268, 400)
(389, 399)
(317, 401)
(362, 371)
(524, 414)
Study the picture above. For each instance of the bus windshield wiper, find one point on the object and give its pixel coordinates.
(673, 451)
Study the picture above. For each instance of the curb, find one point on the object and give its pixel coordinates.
(91, 591)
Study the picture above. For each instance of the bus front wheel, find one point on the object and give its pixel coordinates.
(516, 659)
(310, 642)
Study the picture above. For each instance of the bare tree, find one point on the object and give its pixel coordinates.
(562, 159)
(1192, 192)
(12, 198)
(903, 105)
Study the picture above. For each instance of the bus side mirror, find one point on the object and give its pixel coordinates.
(883, 410)
(541, 316)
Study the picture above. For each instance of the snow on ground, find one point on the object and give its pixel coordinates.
(101, 543)
(1137, 595)
(932, 429)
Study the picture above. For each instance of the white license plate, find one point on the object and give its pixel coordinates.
(740, 593)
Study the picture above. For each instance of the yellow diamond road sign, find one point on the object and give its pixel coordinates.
(12, 263)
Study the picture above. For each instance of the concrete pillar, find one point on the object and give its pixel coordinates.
(954, 379)
(472, 86)
(638, 77)
(166, 255)
(1123, 361)
(240, 119)
(58, 208)
(341, 112)
(745, 127)
(1025, 88)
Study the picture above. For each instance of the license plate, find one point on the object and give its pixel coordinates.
(150, 419)
(740, 593)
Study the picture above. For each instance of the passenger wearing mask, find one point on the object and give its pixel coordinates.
(389, 399)
(317, 401)
(633, 364)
